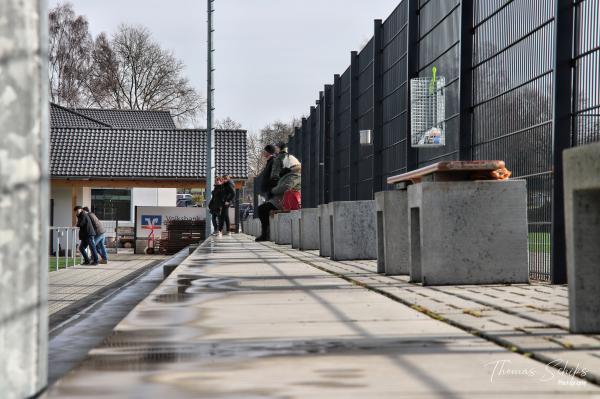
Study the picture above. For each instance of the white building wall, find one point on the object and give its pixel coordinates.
(152, 197)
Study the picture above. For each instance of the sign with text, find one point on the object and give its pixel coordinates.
(151, 220)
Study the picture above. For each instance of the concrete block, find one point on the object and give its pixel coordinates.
(309, 229)
(273, 227)
(284, 228)
(582, 228)
(353, 230)
(392, 232)
(468, 232)
(296, 229)
(325, 230)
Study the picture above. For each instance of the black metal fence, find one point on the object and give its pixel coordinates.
(522, 84)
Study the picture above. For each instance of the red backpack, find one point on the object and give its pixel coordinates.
(291, 200)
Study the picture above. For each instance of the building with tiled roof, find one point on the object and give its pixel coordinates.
(113, 161)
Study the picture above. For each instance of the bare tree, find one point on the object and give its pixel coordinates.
(132, 71)
(272, 133)
(69, 56)
(228, 124)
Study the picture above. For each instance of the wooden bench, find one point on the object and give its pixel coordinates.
(452, 171)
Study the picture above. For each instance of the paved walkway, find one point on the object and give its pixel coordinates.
(532, 319)
(68, 288)
(244, 320)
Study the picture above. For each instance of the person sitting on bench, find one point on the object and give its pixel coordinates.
(290, 179)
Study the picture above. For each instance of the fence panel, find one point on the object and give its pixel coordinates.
(509, 53)
(512, 106)
(395, 91)
(365, 121)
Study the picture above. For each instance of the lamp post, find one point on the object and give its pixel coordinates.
(210, 133)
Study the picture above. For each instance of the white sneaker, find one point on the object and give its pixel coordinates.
(219, 234)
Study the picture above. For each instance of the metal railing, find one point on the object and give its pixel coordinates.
(63, 239)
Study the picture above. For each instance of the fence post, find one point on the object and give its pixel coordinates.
(315, 151)
(412, 60)
(561, 130)
(354, 139)
(314, 184)
(466, 81)
(333, 187)
(325, 154)
(377, 106)
(305, 191)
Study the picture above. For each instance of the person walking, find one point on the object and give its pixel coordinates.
(228, 197)
(290, 180)
(86, 236)
(215, 205)
(266, 182)
(100, 239)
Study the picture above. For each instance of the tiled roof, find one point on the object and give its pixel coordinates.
(65, 117)
(143, 154)
(130, 119)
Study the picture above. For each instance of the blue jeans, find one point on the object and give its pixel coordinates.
(88, 242)
(100, 246)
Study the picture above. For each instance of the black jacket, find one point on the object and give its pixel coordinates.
(86, 228)
(266, 183)
(216, 200)
(228, 192)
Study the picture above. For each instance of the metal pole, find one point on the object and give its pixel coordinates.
(210, 133)
(466, 81)
(562, 86)
(67, 249)
(57, 250)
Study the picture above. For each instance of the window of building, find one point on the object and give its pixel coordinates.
(112, 204)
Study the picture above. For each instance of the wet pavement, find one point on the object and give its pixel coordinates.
(72, 289)
(242, 320)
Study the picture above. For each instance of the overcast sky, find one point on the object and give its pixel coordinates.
(272, 56)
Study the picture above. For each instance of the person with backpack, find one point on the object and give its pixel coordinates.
(100, 238)
(285, 195)
(215, 204)
(282, 154)
(86, 236)
(228, 197)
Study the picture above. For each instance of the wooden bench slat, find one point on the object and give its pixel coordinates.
(462, 170)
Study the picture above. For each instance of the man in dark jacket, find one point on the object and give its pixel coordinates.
(266, 182)
(86, 235)
(228, 197)
(100, 238)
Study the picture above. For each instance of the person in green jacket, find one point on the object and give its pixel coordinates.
(290, 180)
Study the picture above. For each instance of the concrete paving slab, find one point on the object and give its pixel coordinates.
(263, 326)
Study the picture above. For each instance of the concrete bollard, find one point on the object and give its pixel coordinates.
(296, 229)
(283, 224)
(468, 232)
(325, 230)
(273, 227)
(353, 230)
(582, 233)
(392, 232)
(309, 229)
